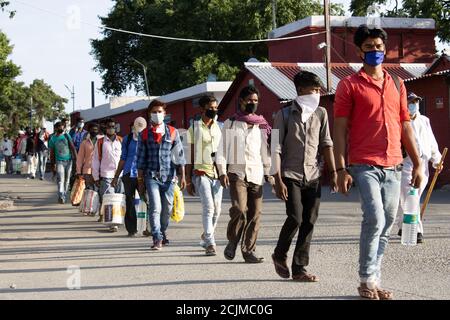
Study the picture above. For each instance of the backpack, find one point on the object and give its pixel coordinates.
(396, 81)
(100, 146)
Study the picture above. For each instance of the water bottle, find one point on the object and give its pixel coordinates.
(411, 216)
(141, 215)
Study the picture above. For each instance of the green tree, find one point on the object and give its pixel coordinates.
(8, 70)
(175, 65)
(46, 103)
(3, 5)
(16, 99)
(438, 10)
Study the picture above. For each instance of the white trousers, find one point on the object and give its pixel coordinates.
(32, 165)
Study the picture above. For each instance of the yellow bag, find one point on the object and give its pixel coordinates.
(77, 191)
(178, 205)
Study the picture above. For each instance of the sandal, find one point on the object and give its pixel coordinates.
(384, 294)
(305, 277)
(367, 293)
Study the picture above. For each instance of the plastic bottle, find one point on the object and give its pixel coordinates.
(411, 216)
(141, 214)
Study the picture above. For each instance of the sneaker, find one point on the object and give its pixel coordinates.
(60, 201)
(165, 241)
(42, 179)
(419, 238)
(132, 235)
(157, 245)
(146, 233)
(33, 178)
(399, 232)
(114, 229)
(211, 250)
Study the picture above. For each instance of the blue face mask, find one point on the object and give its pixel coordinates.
(374, 58)
(413, 107)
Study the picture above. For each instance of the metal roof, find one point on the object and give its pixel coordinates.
(273, 79)
(428, 75)
(278, 77)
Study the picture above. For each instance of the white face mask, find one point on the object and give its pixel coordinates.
(157, 118)
(80, 125)
(309, 103)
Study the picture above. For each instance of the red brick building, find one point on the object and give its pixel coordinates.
(182, 106)
(409, 40)
(275, 82)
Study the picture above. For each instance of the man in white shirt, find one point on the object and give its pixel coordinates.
(428, 151)
(106, 158)
(243, 162)
(6, 148)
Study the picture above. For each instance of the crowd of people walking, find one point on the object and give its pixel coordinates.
(389, 145)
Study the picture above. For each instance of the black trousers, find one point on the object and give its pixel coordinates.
(130, 186)
(302, 209)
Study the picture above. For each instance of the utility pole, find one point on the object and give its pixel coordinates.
(326, 5)
(145, 76)
(274, 14)
(72, 96)
(31, 112)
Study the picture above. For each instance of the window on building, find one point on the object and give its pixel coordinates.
(439, 103)
(422, 106)
(195, 103)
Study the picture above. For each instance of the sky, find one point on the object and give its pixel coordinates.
(57, 48)
(51, 43)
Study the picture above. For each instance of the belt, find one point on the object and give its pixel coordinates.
(398, 167)
(199, 173)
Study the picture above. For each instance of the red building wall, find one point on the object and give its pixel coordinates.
(125, 119)
(403, 46)
(430, 89)
(269, 103)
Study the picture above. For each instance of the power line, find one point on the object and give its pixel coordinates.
(174, 38)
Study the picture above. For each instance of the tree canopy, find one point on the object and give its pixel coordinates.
(173, 65)
(16, 98)
(438, 10)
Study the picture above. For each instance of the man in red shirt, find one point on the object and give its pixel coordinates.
(370, 110)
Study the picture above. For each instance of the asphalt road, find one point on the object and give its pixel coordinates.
(42, 245)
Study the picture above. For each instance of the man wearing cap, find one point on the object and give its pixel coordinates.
(428, 151)
(128, 164)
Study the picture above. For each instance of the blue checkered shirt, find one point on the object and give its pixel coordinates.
(160, 160)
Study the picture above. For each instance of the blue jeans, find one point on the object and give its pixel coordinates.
(105, 187)
(160, 205)
(379, 191)
(210, 192)
(43, 157)
(63, 172)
